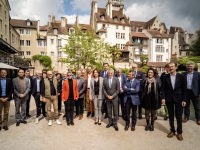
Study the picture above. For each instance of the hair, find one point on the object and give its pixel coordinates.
(190, 63)
(154, 72)
(4, 70)
(89, 66)
(58, 74)
(133, 72)
(20, 69)
(27, 71)
(173, 63)
(110, 69)
(83, 70)
(69, 72)
(105, 64)
(167, 65)
(134, 64)
(42, 75)
(69, 69)
(44, 70)
(97, 71)
(118, 69)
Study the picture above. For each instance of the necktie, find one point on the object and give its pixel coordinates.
(131, 83)
(110, 83)
(104, 74)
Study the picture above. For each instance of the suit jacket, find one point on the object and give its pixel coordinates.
(82, 87)
(34, 86)
(92, 94)
(114, 90)
(140, 77)
(9, 88)
(17, 89)
(102, 74)
(178, 94)
(123, 79)
(195, 82)
(65, 91)
(132, 93)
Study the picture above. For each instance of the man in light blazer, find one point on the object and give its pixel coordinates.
(131, 99)
(111, 88)
(81, 91)
(21, 95)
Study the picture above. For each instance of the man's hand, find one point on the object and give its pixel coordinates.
(183, 104)
(163, 101)
(109, 97)
(76, 99)
(90, 99)
(132, 89)
(125, 87)
(58, 93)
(22, 95)
(121, 90)
(44, 100)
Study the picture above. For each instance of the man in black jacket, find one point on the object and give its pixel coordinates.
(193, 91)
(174, 94)
(6, 89)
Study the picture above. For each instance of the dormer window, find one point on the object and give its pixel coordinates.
(115, 18)
(28, 23)
(122, 19)
(55, 31)
(104, 26)
(71, 31)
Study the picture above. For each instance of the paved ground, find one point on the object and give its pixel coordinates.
(85, 135)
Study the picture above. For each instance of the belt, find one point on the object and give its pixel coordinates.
(88, 88)
(3, 96)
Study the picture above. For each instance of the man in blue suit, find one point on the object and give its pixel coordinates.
(139, 76)
(131, 99)
(122, 81)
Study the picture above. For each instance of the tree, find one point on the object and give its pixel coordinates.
(44, 60)
(93, 49)
(184, 61)
(144, 60)
(115, 53)
(196, 45)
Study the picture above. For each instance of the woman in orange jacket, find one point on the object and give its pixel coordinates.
(69, 95)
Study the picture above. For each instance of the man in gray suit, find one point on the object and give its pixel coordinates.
(111, 88)
(21, 95)
(81, 91)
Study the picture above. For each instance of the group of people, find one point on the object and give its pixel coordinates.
(103, 91)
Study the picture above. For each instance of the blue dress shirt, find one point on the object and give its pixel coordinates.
(3, 87)
(189, 80)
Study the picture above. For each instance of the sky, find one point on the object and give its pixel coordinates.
(180, 13)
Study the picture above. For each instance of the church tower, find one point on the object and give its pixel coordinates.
(117, 4)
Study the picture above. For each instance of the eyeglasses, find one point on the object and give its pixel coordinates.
(69, 75)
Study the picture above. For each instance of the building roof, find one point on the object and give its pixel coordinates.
(150, 22)
(157, 34)
(190, 35)
(107, 19)
(181, 42)
(44, 28)
(139, 34)
(171, 36)
(157, 64)
(23, 23)
(138, 24)
(129, 43)
(164, 26)
(174, 29)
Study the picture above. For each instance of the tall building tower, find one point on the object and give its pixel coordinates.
(117, 4)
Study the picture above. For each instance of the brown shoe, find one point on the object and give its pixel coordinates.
(171, 134)
(198, 122)
(5, 127)
(80, 117)
(180, 137)
(76, 116)
(184, 120)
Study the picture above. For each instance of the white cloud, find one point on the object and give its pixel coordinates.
(83, 19)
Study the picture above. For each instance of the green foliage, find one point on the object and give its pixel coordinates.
(184, 61)
(113, 67)
(44, 60)
(145, 69)
(125, 71)
(143, 59)
(115, 53)
(196, 45)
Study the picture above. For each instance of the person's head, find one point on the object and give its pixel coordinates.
(49, 74)
(58, 76)
(83, 72)
(3, 73)
(131, 74)
(69, 75)
(190, 66)
(65, 75)
(167, 68)
(55, 71)
(44, 71)
(152, 73)
(89, 69)
(21, 73)
(27, 73)
(172, 67)
(78, 73)
(96, 72)
(110, 72)
(37, 74)
(44, 75)
(134, 67)
(105, 66)
(70, 70)
(119, 72)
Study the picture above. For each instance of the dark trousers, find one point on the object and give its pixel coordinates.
(113, 103)
(121, 97)
(79, 106)
(59, 103)
(69, 109)
(28, 104)
(178, 112)
(39, 105)
(104, 108)
(140, 106)
(129, 105)
(195, 101)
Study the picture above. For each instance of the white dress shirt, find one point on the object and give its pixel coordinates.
(120, 81)
(89, 78)
(173, 80)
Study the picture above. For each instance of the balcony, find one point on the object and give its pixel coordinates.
(122, 60)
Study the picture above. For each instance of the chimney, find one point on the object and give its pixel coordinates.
(63, 23)
(110, 10)
(129, 20)
(176, 36)
(77, 21)
(38, 27)
(66, 21)
(107, 9)
(123, 11)
(53, 19)
(186, 37)
(49, 20)
(95, 7)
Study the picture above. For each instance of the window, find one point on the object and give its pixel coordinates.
(115, 19)
(104, 26)
(122, 20)
(187, 53)
(21, 31)
(175, 47)
(59, 42)
(6, 39)
(123, 27)
(21, 42)
(39, 43)
(28, 23)
(117, 35)
(5, 14)
(28, 53)
(21, 53)
(166, 50)
(159, 58)
(52, 54)
(28, 43)
(160, 40)
(28, 31)
(180, 53)
(5, 29)
(59, 54)
(157, 40)
(106, 35)
(52, 41)
(122, 46)
(187, 47)
(116, 26)
(123, 36)
(55, 31)
(102, 17)
(42, 53)
(0, 24)
(71, 31)
(45, 43)
(118, 45)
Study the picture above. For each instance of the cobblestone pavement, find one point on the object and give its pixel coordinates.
(85, 135)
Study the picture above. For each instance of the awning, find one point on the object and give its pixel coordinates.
(5, 66)
(4, 46)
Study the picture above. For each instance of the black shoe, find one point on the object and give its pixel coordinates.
(44, 115)
(28, 115)
(106, 116)
(151, 128)
(92, 115)
(166, 117)
(109, 125)
(72, 123)
(17, 124)
(116, 128)
(126, 128)
(99, 124)
(140, 116)
(68, 123)
(88, 114)
(147, 127)
(24, 122)
(156, 118)
(133, 128)
(64, 116)
(95, 122)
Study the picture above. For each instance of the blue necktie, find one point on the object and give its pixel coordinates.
(110, 83)
(131, 83)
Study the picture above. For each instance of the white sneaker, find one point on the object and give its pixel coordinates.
(50, 122)
(37, 120)
(58, 122)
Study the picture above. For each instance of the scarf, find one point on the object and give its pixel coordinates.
(152, 80)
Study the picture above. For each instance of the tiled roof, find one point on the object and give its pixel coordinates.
(138, 24)
(150, 22)
(23, 23)
(107, 19)
(157, 34)
(171, 36)
(165, 28)
(139, 34)
(181, 42)
(174, 29)
(102, 30)
(157, 64)
(129, 43)
(44, 28)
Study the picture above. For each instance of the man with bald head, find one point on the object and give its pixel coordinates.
(55, 72)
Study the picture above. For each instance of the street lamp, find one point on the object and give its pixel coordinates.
(77, 48)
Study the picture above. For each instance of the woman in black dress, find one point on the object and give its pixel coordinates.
(151, 97)
(58, 77)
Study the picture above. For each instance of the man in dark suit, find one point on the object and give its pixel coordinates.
(122, 81)
(6, 89)
(174, 94)
(139, 76)
(111, 88)
(193, 91)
